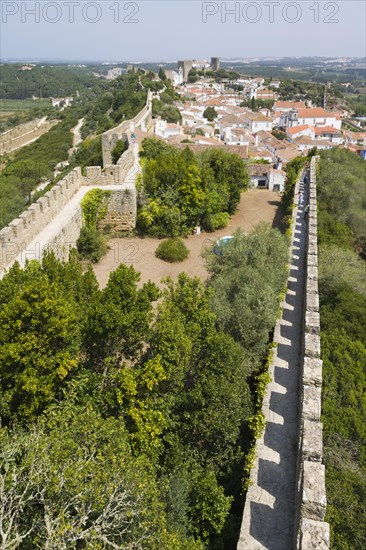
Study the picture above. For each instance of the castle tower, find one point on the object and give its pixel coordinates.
(215, 63)
(186, 66)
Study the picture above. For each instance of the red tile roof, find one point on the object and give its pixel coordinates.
(314, 113)
(297, 129)
(326, 130)
(289, 105)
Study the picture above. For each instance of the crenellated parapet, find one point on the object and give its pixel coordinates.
(55, 220)
(122, 131)
(311, 501)
(286, 501)
(15, 238)
(111, 174)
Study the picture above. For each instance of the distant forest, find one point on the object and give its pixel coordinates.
(44, 81)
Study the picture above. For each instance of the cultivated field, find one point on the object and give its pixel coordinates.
(10, 107)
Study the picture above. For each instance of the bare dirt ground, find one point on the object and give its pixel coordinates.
(256, 205)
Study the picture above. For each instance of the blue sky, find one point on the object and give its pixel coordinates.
(151, 30)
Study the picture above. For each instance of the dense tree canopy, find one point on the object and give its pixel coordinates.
(342, 199)
(210, 113)
(181, 190)
(342, 285)
(123, 424)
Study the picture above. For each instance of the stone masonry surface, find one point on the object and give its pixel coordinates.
(24, 134)
(286, 502)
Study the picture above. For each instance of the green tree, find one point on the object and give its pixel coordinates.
(192, 76)
(40, 340)
(118, 150)
(120, 317)
(183, 190)
(205, 386)
(171, 114)
(342, 313)
(230, 175)
(210, 113)
(245, 291)
(162, 74)
(75, 481)
(91, 244)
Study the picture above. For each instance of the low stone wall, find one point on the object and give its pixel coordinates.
(312, 531)
(15, 237)
(19, 130)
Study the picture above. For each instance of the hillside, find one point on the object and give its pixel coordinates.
(342, 285)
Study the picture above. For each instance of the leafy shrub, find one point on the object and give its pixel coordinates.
(89, 153)
(172, 250)
(94, 206)
(118, 150)
(91, 244)
(216, 221)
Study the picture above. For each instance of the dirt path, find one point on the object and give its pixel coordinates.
(77, 136)
(256, 205)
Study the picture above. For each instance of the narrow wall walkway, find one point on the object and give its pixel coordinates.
(269, 515)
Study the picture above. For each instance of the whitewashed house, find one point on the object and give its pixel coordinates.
(334, 135)
(265, 176)
(175, 77)
(166, 129)
(316, 117)
(298, 131)
(257, 122)
(305, 143)
(237, 136)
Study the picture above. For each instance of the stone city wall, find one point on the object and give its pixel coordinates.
(19, 130)
(312, 530)
(121, 215)
(21, 135)
(15, 237)
(112, 174)
(257, 495)
(65, 238)
(110, 137)
(121, 211)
